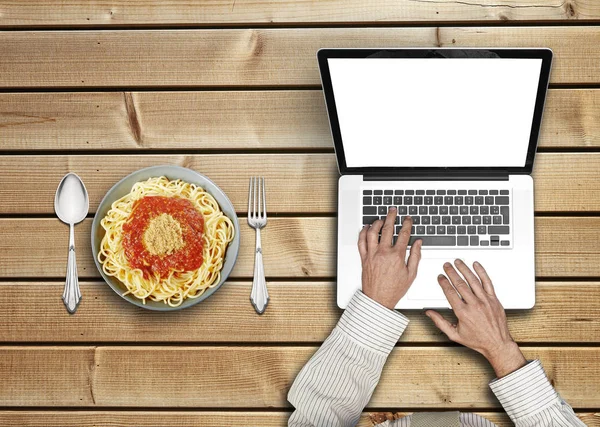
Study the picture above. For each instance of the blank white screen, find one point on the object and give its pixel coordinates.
(428, 112)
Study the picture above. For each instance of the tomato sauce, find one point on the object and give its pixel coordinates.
(187, 258)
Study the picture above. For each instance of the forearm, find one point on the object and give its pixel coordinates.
(338, 381)
(530, 400)
(506, 359)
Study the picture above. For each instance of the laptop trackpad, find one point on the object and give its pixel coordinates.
(426, 286)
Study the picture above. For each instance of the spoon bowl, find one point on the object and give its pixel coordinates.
(71, 205)
(71, 202)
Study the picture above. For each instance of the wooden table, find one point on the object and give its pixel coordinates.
(231, 89)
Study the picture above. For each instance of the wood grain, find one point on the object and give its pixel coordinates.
(167, 120)
(199, 418)
(79, 418)
(310, 178)
(265, 12)
(293, 247)
(250, 57)
(222, 120)
(565, 312)
(571, 118)
(258, 377)
(296, 183)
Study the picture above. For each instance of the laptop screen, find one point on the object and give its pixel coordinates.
(431, 112)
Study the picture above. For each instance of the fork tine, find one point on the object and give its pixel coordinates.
(249, 198)
(264, 199)
(259, 187)
(254, 201)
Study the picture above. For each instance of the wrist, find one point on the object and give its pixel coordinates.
(384, 300)
(389, 304)
(506, 359)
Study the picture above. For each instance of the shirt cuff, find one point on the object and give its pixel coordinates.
(525, 391)
(371, 324)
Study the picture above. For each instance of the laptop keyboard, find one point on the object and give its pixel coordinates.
(445, 217)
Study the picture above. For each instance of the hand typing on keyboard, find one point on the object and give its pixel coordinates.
(386, 277)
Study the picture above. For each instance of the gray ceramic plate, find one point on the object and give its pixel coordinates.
(123, 187)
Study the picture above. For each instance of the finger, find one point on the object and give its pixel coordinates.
(459, 283)
(373, 235)
(414, 258)
(472, 279)
(404, 236)
(485, 279)
(387, 232)
(362, 242)
(451, 295)
(442, 324)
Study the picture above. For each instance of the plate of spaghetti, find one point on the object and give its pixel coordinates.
(165, 238)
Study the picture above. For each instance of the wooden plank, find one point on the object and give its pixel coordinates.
(292, 247)
(201, 418)
(166, 120)
(258, 377)
(571, 118)
(250, 57)
(565, 312)
(225, 12)
(311, 179)
(565, 67)
(147, 419)
(579, 180)
(224, 120)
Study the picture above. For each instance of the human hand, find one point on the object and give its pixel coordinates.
(482, 324)
(386, 276)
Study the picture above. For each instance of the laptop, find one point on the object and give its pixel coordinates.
(447, 136)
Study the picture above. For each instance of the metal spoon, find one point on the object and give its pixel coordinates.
(71, 205)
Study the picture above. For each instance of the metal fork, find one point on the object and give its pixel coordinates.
(257, 219)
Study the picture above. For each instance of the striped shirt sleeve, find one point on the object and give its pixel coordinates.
(530, 400)
(467, 419)
(338, 381)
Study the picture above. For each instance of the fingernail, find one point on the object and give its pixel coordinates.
(440, 276)
(393, 208)
(447, 265)
(458, 261)
(476, 263)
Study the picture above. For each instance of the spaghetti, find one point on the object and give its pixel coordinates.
(165, 241)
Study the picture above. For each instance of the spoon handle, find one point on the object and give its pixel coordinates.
(72, 294)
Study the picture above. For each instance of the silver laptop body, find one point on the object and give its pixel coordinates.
(448, 136)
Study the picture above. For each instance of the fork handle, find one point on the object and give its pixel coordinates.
(259, 296)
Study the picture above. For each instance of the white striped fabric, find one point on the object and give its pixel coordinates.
(530, 400)
(466, 420)
(371, 324)
(338, 381)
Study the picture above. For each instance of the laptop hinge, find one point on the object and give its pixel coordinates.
(438, 177)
